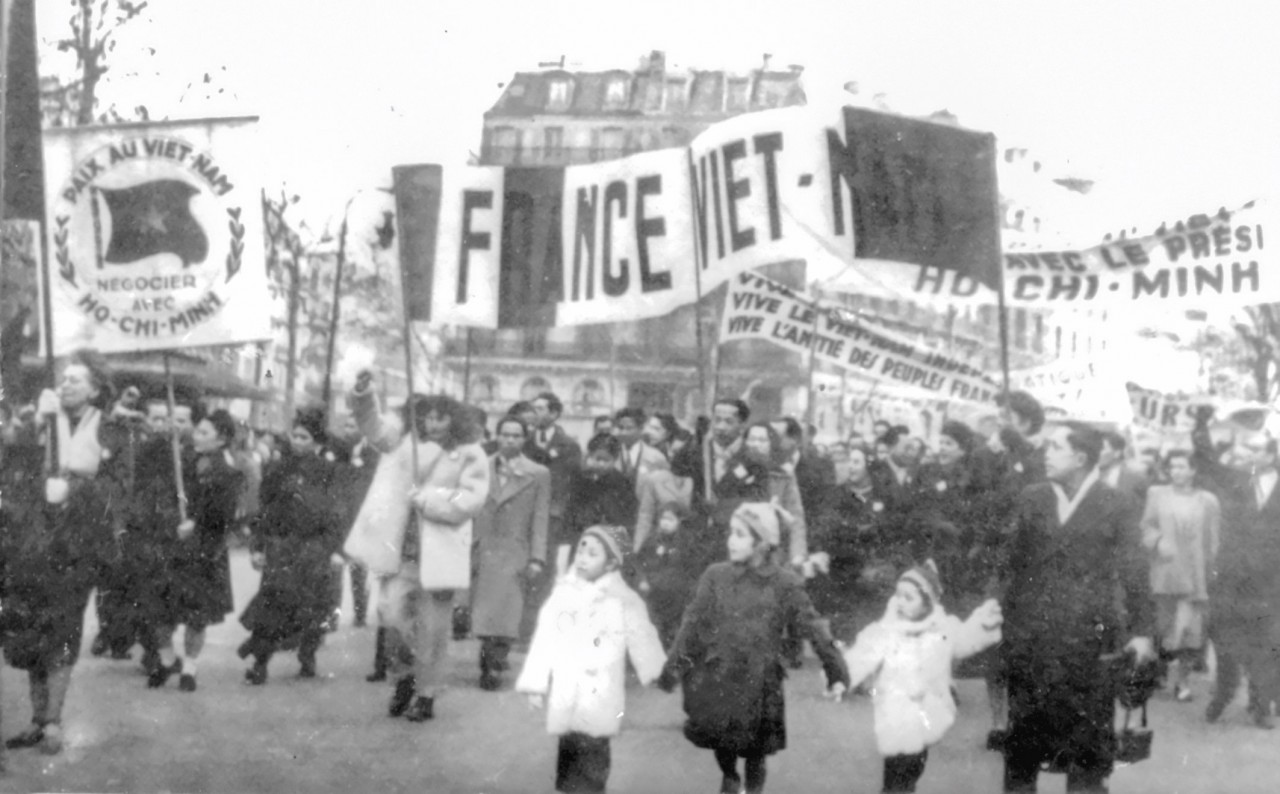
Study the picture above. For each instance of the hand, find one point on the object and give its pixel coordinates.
(257, 559)
(836, 692)
(644, 587)
(533, 570)
(48, 404)
(56, 490)
(1142, 648)
(667, 681)
(535, 701)
(337, 560)
(990, 615)
(186, 529)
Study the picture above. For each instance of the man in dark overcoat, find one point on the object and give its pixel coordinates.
(1072, 550)
(1244, 596)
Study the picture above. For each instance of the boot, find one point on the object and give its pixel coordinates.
(379, 658)
(423, 709)
(401, 697)
(256, 675)
(159, 674)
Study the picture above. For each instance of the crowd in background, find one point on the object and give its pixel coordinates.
(1184, 550)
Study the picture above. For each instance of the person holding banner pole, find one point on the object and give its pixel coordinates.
(49, 582)
(432, 480)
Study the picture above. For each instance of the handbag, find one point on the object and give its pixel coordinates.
(1133, 744)
(444, 554)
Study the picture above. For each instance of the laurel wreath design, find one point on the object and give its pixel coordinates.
(236, 253)
(66, 268)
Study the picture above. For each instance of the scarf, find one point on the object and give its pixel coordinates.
(79, 451)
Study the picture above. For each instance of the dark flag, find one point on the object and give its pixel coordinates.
(23, 164)
(154, 218)
(923, 193)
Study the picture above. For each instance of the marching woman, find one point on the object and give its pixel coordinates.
(199, 586)
(58, 541)
(295, 537)
(435, 502)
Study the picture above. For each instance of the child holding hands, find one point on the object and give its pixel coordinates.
(577, 660)
(908, 654)
(729, 650)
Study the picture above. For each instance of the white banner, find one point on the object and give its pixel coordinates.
(623, 239)
(1165, 412)
(155, 236)
(758, 308)
(1220, 258)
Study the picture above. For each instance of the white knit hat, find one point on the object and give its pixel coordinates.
(762, 519)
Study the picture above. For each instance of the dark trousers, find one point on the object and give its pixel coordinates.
(359, 591)
(493, 654)
(1020, 776)
(582, 763)
(902, 772)
(753, 770)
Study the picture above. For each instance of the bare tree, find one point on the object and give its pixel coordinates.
(92, 39)
(1261, 333)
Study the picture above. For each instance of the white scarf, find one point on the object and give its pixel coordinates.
(1067, 507)
(79, 452)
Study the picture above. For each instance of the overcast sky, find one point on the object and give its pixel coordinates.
(1171, 107)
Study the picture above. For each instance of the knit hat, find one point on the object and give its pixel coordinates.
(312, 419)
(762, 519)
(925, 578)
(960, 433)
(615, 540)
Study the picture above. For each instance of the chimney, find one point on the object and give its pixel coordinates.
(764, 67)
(657, 62)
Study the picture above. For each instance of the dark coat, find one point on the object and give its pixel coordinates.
(729, 654)
(298, 529)
(603, 497)
(563, 457)
(199, 569)
(1075, 594)
(52, 558)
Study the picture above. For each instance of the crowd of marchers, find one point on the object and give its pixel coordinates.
(1038, 556)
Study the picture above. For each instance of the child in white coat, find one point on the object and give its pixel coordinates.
(577, 660)
(907, 656)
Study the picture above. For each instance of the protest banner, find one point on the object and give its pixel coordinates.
(1165, 412)
(1220, 257)
(759, 308)
(639, 236)
(155, 236)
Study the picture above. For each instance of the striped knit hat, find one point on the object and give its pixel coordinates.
(615, 540)
(925, 578)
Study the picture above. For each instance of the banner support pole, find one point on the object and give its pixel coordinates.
(699, 342)
(466, 368)
(1002, 309)
(174, 443)
(810, 408)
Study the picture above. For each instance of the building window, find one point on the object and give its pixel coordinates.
(553, 143)
(615, 95)
(504, 145)
(652, 397)
(484, 389)
(558, 94)
(739, 93)
(675, 97)
(588, 396)
(533, 387)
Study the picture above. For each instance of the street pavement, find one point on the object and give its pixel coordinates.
(332, 734)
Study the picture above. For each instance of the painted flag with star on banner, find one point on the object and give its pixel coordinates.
(155, 236)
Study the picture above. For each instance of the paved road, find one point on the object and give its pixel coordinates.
(331, 734)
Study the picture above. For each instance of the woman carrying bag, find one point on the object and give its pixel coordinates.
(413, 532)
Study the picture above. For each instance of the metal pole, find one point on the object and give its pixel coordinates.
(698, 264)
(466, 368)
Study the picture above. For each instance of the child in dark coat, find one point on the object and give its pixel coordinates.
(668, 570)
(729, 651)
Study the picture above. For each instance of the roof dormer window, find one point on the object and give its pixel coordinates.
(558, 94)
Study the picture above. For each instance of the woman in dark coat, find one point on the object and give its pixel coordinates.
(198, 586)
(598, 492)
(295, 537)
(729, 651)
(863, 557)
(60, 533)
